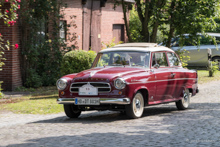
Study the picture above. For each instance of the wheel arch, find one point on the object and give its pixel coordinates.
(144, 92)
(216, 56)
(192, 89)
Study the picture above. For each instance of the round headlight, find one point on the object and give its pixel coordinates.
(61, 84)
(119, 83)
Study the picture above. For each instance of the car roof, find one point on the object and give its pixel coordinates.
(143, 47)
(208, 33)
(214, 34)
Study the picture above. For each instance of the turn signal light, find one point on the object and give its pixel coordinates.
(62, 93)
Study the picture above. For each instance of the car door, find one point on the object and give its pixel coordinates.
(177, 74)
(162, 72)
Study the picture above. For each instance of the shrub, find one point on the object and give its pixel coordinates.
(1, 94)
(110, 44)
(213, 68)
(33, 80)
(183, 56)
(76, 61)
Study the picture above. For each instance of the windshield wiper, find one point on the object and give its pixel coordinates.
(115, 65)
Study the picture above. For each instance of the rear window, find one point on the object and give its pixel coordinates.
(173, 59)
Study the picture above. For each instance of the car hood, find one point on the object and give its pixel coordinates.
(107, 72)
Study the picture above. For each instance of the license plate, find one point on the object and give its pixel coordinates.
(87, 101)
(88, 90)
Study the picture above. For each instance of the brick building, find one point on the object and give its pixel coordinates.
(96, 22)
(11, 74)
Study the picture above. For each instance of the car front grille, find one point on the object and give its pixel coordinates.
(102, 87)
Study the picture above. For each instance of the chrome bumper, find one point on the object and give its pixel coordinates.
(118, 101)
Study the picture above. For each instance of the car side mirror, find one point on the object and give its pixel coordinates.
(156, 66)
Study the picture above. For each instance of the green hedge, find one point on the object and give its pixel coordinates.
(76, 61)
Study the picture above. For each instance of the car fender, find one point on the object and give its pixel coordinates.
(137, 89)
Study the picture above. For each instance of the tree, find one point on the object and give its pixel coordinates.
(174, 17)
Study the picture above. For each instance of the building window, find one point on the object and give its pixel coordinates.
(63, 25)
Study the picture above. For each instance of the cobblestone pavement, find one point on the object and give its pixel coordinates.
(161, 125)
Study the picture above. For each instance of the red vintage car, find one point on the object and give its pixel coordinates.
(128, 77)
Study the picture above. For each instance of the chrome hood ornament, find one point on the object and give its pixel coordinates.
(92, 74)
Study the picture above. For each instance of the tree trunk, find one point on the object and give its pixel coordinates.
(126, 22)
(145, 22)
(154, 33)
(172, 26)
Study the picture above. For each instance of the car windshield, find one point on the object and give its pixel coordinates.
(123, 58)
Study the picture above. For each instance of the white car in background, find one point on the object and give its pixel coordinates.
(202, 55)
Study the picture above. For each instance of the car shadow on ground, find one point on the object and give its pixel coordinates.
(198, 126)
(107, 116)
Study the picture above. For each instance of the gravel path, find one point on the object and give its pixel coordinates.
(161, 125)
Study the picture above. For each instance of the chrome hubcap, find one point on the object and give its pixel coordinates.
(138, 105)
(185, 99)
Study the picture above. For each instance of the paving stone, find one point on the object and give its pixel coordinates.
(161, 125)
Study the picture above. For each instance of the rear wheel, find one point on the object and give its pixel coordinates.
(185, 101)
(136, 108)
(72, 111)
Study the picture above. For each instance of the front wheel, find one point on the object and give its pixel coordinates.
(71, 111)
(185, 101)
(136, 108)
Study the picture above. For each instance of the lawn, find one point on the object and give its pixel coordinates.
(43, 100)
(204, 76)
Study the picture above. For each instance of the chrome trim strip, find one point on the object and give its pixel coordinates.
(118, 101)
(162, 80)
(66, 100)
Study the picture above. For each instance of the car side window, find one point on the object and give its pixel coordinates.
(159, 58)
(173, 59)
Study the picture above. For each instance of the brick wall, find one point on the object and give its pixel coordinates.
(74, 8)
(110, 17)
(11, 75)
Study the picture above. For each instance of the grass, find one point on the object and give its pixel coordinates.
(204, 76)
(43, 100)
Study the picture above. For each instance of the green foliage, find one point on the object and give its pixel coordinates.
(171, 17)
(42, 47)
(76, 61)
(183, 56)
(110, 44)
(33, 80)
(217, 29)
(135, 26)
(213, 68)
(9, 16)
(24, 89)
(1, 94)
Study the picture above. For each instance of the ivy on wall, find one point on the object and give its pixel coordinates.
(9, 17)
(42, 47)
